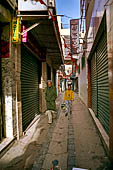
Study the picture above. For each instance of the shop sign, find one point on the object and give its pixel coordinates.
(67, 47)
(16, 29)
(24, 36)
(74, 32)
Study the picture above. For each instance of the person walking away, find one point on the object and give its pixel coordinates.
(50, 96)
(68, 98)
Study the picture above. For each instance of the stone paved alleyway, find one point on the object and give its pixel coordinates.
(90, 153)
(71, 161)
(73, 140)
(57, 148)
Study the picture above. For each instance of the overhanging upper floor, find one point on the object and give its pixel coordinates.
(47, 33)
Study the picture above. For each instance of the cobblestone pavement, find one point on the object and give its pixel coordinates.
(44, 149)
(61, 147)
(71, 161)
(57, 145)
(30, 147)
(73, 140)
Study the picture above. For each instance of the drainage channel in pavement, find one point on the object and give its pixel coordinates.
(71, 145)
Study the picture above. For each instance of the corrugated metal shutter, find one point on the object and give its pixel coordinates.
(103, 83)
(93, 84)
(29, 87)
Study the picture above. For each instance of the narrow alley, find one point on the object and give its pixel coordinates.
(56, 84)
(73, 140)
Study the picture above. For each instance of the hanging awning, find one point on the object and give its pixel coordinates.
(46, 33)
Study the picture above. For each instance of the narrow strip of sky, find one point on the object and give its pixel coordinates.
(70, 8)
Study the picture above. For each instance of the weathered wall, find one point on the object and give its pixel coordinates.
(82, 81)
(94, 14)
(97, 14)
(42, 87)
(10, 67)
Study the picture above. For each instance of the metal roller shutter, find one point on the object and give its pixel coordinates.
(93, 84)
(29, 87)
(103, 83)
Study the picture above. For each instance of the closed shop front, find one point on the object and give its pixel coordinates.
(30, 67)
(103, 83)
(94, 84)
(100, 82)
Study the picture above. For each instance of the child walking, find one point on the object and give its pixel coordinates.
(68, 98)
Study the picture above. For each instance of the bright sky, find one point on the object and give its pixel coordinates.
(70, 8)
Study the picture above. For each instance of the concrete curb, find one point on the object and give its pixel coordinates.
(9, 142)
(6, 145)
(103, 134)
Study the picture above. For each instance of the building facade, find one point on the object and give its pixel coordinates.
(25, 66)
(82, 71)
(98, 52)
(8, 74)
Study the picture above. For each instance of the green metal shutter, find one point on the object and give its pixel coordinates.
(29, 87)
(103, 83)
(93, 84)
